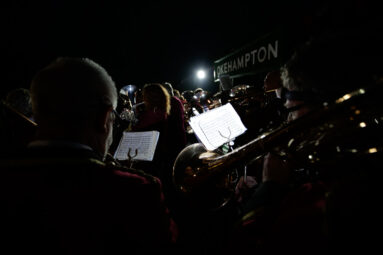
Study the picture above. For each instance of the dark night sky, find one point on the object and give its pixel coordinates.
(148, 41)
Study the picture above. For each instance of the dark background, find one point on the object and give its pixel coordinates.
(155, 41)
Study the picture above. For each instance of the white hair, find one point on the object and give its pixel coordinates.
(71, 88)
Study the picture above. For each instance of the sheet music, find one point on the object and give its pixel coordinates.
(217, 126)
(145, 143)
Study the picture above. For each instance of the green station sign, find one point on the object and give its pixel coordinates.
(264, 54)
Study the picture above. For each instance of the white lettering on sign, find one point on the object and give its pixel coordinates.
(240, 62)
(261, 54)
(273, 51)
(249, 58)
(253, 55)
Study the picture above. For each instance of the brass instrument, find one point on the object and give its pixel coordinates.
(348, 127)
(19, 114)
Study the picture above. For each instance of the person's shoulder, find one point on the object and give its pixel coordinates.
(79, 162)
(176, 100)
(176, 105)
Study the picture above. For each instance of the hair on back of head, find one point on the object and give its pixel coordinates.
(169, 88)
(71, 87)
(156, 96)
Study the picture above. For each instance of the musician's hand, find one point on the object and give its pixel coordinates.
(243, 187)
(275, 169)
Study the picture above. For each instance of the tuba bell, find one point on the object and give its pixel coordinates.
(347, 128)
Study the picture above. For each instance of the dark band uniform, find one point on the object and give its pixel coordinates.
(60, 198)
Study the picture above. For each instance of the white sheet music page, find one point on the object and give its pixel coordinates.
(145, 143)
(217, 126)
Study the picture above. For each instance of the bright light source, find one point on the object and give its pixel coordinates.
(362, 124)
(129, 89)
(372, 150)
(201, 74)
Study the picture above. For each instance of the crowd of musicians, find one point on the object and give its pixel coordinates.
(311, 187)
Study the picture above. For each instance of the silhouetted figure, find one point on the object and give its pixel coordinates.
(17, 126)
(63, 195)
(20, 100)
(317, 196)
(176, 124)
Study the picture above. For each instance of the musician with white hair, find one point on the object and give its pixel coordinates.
(61, 195)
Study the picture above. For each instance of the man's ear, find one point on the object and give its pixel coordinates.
(103, 119)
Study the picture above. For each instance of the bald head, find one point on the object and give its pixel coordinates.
(71, 89)
(73, 100)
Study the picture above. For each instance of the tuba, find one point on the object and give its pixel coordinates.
(333, 133)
